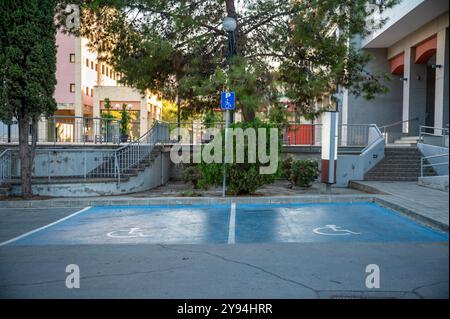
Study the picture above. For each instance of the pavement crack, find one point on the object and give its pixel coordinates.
(414, 291)
(90, 277)
(268, 272)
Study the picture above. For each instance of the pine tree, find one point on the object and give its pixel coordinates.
(179, 48)
(27, 72)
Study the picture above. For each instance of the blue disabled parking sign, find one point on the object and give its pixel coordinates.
(227, 100)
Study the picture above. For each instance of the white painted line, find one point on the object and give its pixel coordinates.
(43, 227)
(232, 226)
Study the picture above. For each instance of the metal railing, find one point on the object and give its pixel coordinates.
(432, 165)
(196, 130)
(437, 136)
(5, 166)
(88, 163)
(350, 135)
(293, 134)
(59, 129)
(386, 128)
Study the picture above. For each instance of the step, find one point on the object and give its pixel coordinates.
(395, 171)
(405, 150)
(408, 138)
(401, 173)
(399, 179)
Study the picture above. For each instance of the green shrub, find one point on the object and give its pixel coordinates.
(242, 178)
(191, 174)
(285, 167)
(300, 172)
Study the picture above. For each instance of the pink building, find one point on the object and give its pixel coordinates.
(83, 83)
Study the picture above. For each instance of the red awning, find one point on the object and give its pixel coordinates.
(425, 50)
(398, 64)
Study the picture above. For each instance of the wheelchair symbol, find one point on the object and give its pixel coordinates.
(133, 232)
(333, 230)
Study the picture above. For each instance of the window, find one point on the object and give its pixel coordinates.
(72, 87)
(87, 62)
(96, 67)
(103, 69)
(72, 58)
(87, 91)
(107, 72)
(92, 92)
(92, 65)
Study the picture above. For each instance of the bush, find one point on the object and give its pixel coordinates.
(191, 174)
(300, 172)
(242, 178)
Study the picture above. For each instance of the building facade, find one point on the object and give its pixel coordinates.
(413, 47)
(83, 84)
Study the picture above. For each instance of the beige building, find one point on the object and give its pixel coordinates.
(413, 47)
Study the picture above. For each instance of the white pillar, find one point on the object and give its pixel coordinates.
(143, 117)
(42, 130)
(329, 147)
(441, 80)
(344, 119)
(406, 89)
(97, 122)
(78, 123)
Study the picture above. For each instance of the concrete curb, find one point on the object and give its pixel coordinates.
(365, 188)
(132, 201)
(415, 215)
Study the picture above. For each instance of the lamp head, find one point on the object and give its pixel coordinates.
(229, 24)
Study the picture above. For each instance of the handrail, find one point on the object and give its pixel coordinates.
(380, 137)
(444, 134)
(399, 122)
(108, 163)
(423, 158)
(5, 166)
(434, 156)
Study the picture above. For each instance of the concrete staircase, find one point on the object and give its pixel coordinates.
(405, 141)
(400, 163)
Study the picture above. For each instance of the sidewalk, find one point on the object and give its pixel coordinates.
(422, 203)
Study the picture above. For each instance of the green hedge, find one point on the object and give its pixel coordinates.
(242, 178)
(300, 172)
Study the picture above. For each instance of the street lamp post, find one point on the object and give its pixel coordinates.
(229, 25)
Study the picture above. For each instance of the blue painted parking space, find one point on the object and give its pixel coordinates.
(329, 222)
(130, 225)
(248, 223)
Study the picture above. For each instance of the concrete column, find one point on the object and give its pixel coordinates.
(143, 117)
(414, 94)
(78, 124)
(43, 130)
(97, 124)
(406, 89)
(344, 117)
(441, 92)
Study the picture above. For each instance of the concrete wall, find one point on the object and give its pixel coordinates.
(445, 84)
(70, 162)
(154, 175)
(431, 150)
(417, 88)
(354, 167)
(435, 182)
(385, 108)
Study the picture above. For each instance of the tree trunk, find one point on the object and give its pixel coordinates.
(26, 159)
(231, 10)
(248, 114)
